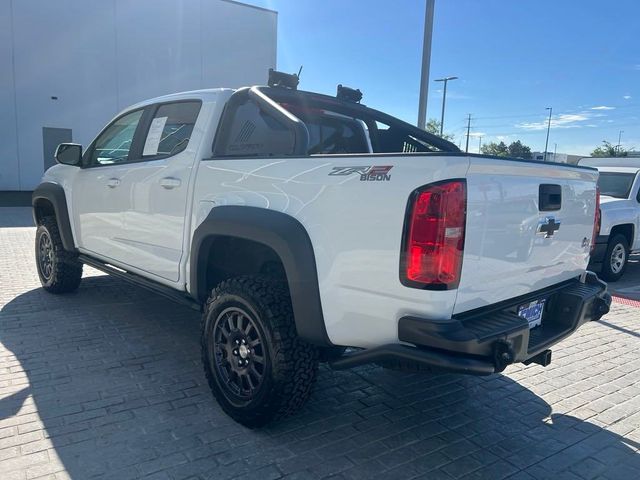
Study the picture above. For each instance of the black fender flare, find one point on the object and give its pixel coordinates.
(287, 237)
(54, 194)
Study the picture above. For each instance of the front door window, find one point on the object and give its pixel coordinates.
(113, 145)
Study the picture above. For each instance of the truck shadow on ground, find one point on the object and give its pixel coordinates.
(629, 285)
(115, 377)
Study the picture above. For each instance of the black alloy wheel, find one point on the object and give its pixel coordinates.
(239, 354)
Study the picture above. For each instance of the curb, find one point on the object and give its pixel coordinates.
(627, 301)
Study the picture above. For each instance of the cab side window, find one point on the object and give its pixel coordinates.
(113, 145)
(170, 129)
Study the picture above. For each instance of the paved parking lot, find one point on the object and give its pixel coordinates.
(629, 285)
(107, 383)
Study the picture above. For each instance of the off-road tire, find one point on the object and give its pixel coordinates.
(290, 364)
(617, 244)
(61, 272)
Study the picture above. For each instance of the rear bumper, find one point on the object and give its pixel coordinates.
(486, 340)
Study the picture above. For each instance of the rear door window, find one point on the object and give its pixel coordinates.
(170, 129)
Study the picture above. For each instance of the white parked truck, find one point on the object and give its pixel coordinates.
(618, 232)
(301, 224)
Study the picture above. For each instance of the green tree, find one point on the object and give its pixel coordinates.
(515, 150)
(496, 149)
(518, 150)
(433, 126)
(607, 149)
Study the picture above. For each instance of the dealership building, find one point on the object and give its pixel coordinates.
(69, 67)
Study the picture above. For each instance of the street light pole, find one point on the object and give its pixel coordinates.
(426, 60)
(546, 144)
(444, 98)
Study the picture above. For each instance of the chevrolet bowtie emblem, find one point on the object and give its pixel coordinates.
(548, 226)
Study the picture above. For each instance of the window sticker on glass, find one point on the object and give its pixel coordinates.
(154, 136)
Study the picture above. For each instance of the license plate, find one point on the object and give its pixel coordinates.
(532, 312)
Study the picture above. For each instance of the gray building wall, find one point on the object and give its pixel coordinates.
(74, 64)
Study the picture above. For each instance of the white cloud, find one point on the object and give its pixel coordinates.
(564, 120)
(477, 134)
(603, 107)
(626, 97)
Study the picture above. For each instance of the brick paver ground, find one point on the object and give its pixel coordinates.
(107, 383)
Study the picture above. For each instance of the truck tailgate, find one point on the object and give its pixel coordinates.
(529, 226)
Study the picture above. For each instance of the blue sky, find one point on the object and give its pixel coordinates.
(514, 58)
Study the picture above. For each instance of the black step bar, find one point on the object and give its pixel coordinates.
(167, 292)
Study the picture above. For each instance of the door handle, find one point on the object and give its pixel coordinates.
(113, 182)
(170, 182)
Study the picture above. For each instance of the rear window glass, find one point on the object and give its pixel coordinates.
(331, 133)
(613, 184)
(334, 133)
(396, 140)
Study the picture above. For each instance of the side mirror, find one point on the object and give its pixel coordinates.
(69, 154)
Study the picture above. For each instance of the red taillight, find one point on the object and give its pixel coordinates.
(434, 242)
(596, 220)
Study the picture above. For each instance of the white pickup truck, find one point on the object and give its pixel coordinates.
(619, 231)
(620, 220)
(301, 224)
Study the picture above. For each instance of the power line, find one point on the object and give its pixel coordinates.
(588, 120)
(568, 111)
(510, 130)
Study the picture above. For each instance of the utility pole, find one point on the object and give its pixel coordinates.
(555, 149)
(479, 143)
(546, 144)
(468, 130)
(444, 98)
(619, 140)
(426, 61)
